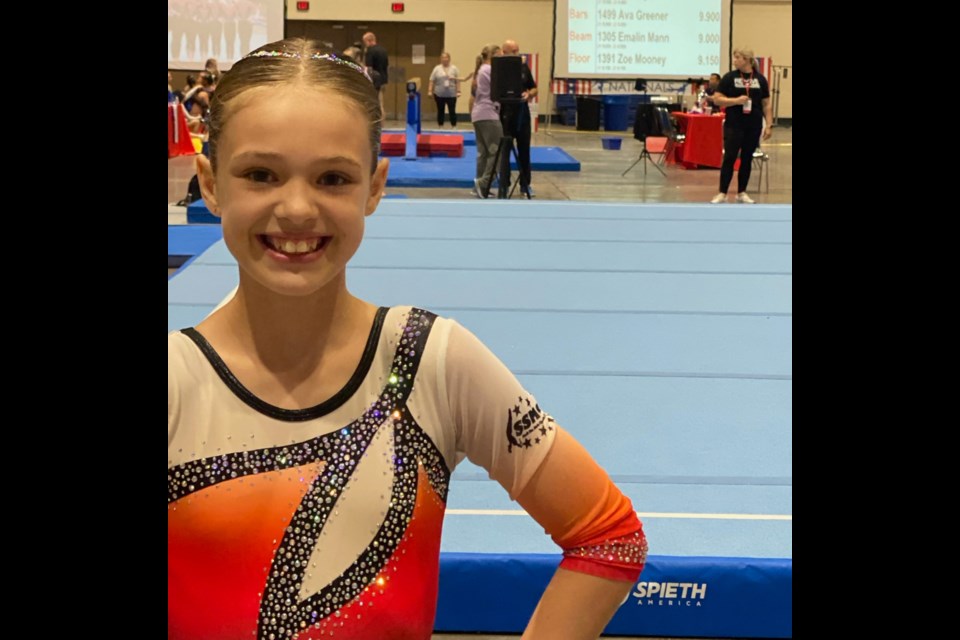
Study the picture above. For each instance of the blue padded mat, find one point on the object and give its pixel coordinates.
(187, 241)
(460, 172)
(197, 212)
(661, 337)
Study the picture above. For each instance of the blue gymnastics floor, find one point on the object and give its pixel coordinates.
(660, 336)
(459, 172)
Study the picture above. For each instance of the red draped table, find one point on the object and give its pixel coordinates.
(179, 142)
(703, 144)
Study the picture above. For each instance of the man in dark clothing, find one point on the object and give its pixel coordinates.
(516, 121)
(376, 58)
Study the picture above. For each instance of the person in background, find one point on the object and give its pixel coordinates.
(486, 122)
(354, 53)
(311, 435)
(517, 122)
(745, 97)
(710, 89)
(444, 86)
(377, 58)
(713, 83)
(213, 68)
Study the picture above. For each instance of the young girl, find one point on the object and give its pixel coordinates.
(311, 434)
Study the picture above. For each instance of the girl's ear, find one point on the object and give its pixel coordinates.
(377, 185)
(208, 185)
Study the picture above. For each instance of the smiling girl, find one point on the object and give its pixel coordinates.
(311, 434)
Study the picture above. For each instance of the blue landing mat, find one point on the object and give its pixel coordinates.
(186, 242)
(459, 172)
(661, 337)
(678, 596)
(197, 212)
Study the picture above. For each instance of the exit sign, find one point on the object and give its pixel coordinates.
(303, 6)
(396, 7)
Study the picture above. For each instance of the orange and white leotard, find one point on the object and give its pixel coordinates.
(297, 523)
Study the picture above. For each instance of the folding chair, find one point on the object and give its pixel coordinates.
(760, 160)
(645, 128)
(669, 131)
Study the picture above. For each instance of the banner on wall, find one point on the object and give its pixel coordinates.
(615, 87)
(765, 66)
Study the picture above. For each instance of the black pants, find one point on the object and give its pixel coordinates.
(515, 119)
(450, 103)
(743, 142)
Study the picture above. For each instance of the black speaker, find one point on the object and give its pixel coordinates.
(647, 122)
(506, 79)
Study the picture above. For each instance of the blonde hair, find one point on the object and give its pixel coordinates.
(489, 51)
(748, 55)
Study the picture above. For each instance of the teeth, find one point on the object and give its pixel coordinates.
(292, 247)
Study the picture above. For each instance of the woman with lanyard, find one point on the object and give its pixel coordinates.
(743, 93)
(445, 88)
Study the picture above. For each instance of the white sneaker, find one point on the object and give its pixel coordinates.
(720, 197)
(744, 198)
(477, 189)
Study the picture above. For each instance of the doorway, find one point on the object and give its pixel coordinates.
(414, 49)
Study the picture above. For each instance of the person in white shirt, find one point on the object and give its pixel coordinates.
(445, 89)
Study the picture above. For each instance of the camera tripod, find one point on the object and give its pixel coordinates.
(512, 112)
(645, 157)
(502, 165)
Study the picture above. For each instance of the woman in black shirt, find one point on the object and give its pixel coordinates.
(743, 93)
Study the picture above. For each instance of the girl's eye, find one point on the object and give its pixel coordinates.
(258, 175)
(333, 180)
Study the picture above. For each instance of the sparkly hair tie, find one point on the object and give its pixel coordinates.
(332, 57)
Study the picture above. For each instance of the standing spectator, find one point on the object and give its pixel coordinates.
(376, 57)
(445, 89)
(743, 92)
(516, 120)
(486, 122)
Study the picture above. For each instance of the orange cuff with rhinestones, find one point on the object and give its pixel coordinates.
(615, 558)
(608, 541)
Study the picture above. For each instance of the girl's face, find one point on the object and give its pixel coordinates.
(293, 188)
(445, 60)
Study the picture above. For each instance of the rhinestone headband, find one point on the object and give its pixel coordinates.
(332, 57)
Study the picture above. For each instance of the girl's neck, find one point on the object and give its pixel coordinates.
(284, 330)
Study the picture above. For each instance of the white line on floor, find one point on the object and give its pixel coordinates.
(640, 514)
